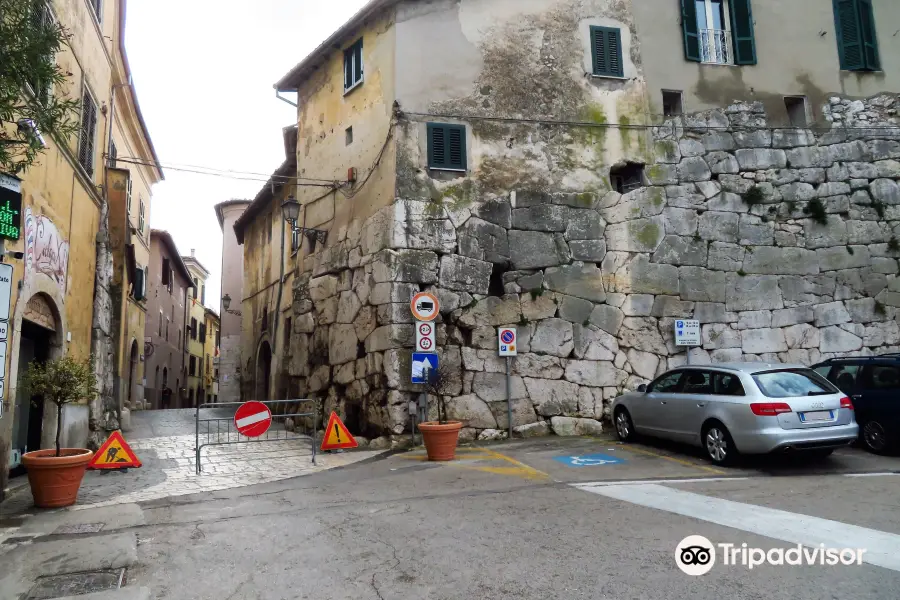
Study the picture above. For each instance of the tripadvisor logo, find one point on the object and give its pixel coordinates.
(696, 555)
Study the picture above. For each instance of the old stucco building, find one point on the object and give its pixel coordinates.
(229, 360)
(589, 172)
(84, 227)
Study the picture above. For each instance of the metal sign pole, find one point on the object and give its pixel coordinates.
(509, 398)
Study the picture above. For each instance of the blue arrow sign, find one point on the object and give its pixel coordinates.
(420, 362)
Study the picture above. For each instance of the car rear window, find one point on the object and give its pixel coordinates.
(788, 383)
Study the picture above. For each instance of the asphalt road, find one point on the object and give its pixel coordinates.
(514, 521)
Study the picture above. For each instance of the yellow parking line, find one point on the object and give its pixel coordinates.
(518, 469)
(686, 463)
(528, 472)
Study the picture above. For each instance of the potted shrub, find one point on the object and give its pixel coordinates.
(440, 436)
(55, 474)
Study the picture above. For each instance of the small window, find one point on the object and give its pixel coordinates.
(606, 51)
(193, 366)
(718, 31)
(193, 328)
(882, 377)
(42, 20)
(797, 110)
(113, 155)
(728, 384)
(128, 196)
(857, 44)
(667, 383)
(164, 272)
(348, 136)
(672, 103)
(141, 221)
(203, 295)
(97, 5)
(446, 147)
(793, 383)
(167, 328)
(160, 330)
(353, 66)
(87, 133)
(627, 177)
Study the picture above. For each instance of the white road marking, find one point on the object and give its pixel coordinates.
(884, 474)
(647, 481)
(881, 548)
(260, 416)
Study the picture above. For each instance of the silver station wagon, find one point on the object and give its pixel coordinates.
(739, 408)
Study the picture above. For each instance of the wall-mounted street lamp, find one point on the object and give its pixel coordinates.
(226, 302)
(290, 209)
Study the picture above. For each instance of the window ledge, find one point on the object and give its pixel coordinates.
(448, 169)
(616, 77)
(354, 86)
(869, 71)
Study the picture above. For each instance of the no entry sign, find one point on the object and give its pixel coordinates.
(252, 419)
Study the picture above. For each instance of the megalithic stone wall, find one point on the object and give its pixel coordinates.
(782, 242)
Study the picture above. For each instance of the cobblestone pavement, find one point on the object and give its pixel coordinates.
(164, 442)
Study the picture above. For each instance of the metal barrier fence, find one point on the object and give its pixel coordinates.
(225, 426)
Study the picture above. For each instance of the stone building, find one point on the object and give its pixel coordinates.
(195, 332)
(539, 175)
(78, 288)
(210, 340)
(229, 361)
(167, 289)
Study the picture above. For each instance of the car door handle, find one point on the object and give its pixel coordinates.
(662, 401)
(701, 404)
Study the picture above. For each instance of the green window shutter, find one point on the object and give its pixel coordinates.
(690, 30)
(849, 35)
(742, 32)
(867, 28)
(446, 146)
(606, 51)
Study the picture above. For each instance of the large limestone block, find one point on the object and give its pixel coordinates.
(342, 344)
(594, 373)
(575, 310)
(491, 387)
(643, 334)
(640, 276)
(680, 221)
(553, 336)
(584, 224)
(675, 250)
(753, 232)
(608, 318)
(758, 341)
(756, 159)
(718, 336)
(535, 250)
(592, 343)
(725, 257)
(543, 217)
(719, 226)
(522, 412)
(552, 397)
(752, 292)
(702, 285)
(644, 364)
(481, 240)
(572, 426)
(885, 191)
(839, 258)
(640, 203)
(581, 280)
(538, 365)
(465, 274)
(833, 233)
(693, 169)
(835, 339)
(802, 335)
(832, 313)
(411, 266)
(472, 411)
(770, 260)
(638, 235)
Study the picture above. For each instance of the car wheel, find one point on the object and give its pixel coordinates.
(875, 437)
(624, 426)
(718, 444)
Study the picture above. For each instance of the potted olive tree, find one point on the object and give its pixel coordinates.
(55, 474)
(440, 436)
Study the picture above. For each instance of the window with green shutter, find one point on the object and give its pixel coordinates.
(606, 51)
(718, 31)
(855, 27)
(447, 147)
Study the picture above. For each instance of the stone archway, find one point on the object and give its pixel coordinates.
(263, 371)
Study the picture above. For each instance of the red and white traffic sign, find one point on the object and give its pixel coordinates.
(506, 338)
(253, 419)
(425, 306)
(425, 340)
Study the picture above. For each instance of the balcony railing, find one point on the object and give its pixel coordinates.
(715, 46)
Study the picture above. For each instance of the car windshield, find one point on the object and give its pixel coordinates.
(789, 383)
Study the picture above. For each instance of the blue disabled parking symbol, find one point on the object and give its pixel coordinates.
(589, 460)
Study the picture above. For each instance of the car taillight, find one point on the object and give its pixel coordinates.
(769, 409)
(845, 403)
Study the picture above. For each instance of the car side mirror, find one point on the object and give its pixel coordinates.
(642, 388)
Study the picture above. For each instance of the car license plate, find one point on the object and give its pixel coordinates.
(817, 415)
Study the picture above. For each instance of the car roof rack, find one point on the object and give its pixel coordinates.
(840, 358)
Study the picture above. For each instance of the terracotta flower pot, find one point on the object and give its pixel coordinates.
(440, 439)
(55, 479)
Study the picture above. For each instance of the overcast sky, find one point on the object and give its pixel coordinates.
(203, 71)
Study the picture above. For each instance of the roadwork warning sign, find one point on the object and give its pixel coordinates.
(115, 453)
(336, 435)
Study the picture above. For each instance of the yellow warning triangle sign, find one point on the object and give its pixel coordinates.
(115, 453)
(336, 435)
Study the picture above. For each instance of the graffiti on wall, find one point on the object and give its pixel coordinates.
(45, 249)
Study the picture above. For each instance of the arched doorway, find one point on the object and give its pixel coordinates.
(39, 339)
(132, 373)
(263, 371)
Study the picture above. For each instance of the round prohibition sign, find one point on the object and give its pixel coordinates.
(425, 343)
(507, 336)
(425, 329)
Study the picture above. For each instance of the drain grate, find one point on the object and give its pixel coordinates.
(80, 528)
(74, 584)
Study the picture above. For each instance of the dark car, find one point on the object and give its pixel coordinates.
(873, 384)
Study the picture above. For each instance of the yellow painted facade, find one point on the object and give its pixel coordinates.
(210, 357)
(61, 217)
(196, 318)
